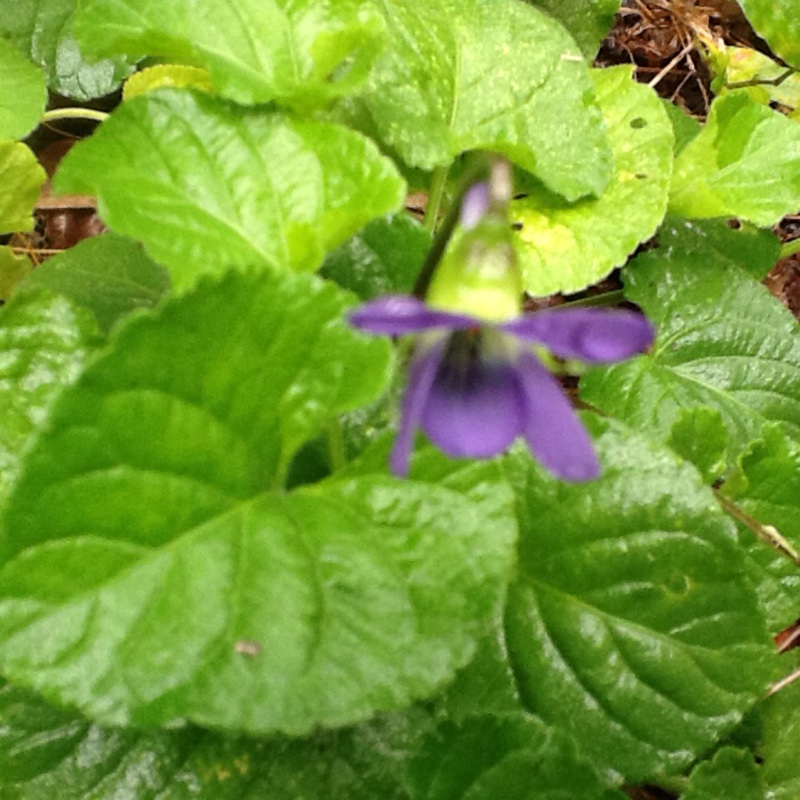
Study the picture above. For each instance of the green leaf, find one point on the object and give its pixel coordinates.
(589, 21)
(167, 76)
(568, 246)
(23, 93)
(13, 268)
(778, 22)
(722, 342)
(222, 189)
(21, 177)
(767, 487)
(731, 774)
(781, 768)
(744, 163)
(110, 275)
(42, 30)
(461, 75)
(47, 754)
(383, 258)
(514, 757)
(43, 342)
(699, 435)
(629, 625)
(685, 128)
(203, 593)
(298, 52)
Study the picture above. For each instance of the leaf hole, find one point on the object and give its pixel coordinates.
(638, 122)
(640, 176)
(517, 226)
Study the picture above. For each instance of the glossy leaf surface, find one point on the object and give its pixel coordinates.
(210, 593)
(564, 247)
(216, 189)
(44, 342)
(629, 625)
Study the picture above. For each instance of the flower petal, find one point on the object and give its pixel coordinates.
(474, 409)
(421, 376)
(590, 334)
(399, 314)
(552, 430)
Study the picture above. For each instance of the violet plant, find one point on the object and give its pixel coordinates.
(231, 569)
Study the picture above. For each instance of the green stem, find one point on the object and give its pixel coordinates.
(762, 81)
(607, 299)
(336, 450)
(766, 533)
(435, 197)
(789, 249)
(74, 113)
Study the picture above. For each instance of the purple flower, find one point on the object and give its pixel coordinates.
(475, 386)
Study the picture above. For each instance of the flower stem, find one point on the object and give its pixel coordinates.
(766, 533)
(435, 196)
(336, 451)
(74, 113)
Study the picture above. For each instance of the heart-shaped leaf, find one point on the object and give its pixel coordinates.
(293, 51)
(461, 75)
(215, 189)
(630, 625)
(208, 592)
(564, 247)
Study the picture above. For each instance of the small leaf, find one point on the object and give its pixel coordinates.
(731, 774)
(42, 31)
(743, 64)
(722, 342)
(460, 75)
(23, 93)
(778, 23)
(167, 76)
(214, 189)
(589, 21)
(565, 247)
(13, 268)
(109, 275)
(43, 341)
(383, 258)
(21, 177)
(209, 593)
(685, 128)
(629, 625)
(514, 757)
(699, 435)
(297, 52)
(744, 163)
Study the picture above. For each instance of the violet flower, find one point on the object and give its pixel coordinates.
(474, 385)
